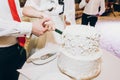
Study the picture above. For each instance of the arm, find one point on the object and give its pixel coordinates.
(32, 9)
(69, 11)
(10, 27)
(14, 28)
(43, 5)
(82, 4)
(102, 7)
(29, 11)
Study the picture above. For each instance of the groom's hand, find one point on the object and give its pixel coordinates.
(87, 1)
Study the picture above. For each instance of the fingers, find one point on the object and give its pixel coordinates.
(49, 25)
(47, 22)
(67, 23)
(40, 26)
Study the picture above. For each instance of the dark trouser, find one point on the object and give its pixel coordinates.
(11, 59)
(89, 19)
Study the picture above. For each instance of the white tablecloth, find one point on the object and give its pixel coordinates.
(110, 70)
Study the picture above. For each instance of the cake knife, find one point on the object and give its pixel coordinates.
(58, 31)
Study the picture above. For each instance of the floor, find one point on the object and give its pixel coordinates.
(110, 17)
(110, 27)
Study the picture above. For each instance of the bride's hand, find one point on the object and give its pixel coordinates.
(87, 1)
(49, 25)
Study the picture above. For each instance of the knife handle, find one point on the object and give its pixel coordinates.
(58, 31)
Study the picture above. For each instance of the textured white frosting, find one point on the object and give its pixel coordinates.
(80, 40)
(79, 69)
(80, 54)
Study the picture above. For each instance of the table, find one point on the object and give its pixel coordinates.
(110, 69)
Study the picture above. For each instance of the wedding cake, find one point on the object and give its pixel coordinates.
(80, 55)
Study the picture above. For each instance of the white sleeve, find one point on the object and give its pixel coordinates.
(70, 11)
(33, 3)
(102, 7)
(14, 28)
(41, 5)
(82, 4)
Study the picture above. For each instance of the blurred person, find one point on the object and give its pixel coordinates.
(69, 12)
(92, 10)
(12, 53)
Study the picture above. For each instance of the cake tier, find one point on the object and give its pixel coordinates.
(81, 40)
(79, 68)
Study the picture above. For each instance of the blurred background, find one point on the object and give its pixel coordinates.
(112, 8)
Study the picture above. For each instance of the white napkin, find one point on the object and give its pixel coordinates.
(32, 71)
(48, 71)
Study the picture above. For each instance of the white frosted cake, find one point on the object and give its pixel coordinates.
(80, 55)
